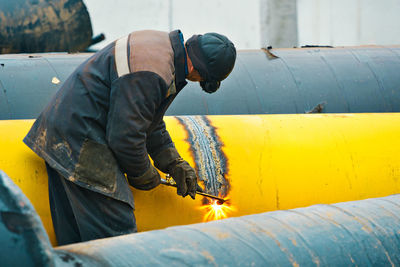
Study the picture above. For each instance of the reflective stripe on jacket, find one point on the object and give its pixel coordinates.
(107, 117)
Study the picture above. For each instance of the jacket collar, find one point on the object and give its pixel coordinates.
(179, 59)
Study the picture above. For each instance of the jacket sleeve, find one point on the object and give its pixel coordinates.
(134, 99)
(158, 140)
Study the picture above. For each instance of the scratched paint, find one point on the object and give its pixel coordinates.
(206, 147)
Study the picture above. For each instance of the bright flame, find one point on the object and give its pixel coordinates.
(214, 211)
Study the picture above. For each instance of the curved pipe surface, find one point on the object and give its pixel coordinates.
(32, 26)
(276, 81)
(359, 233)
(261, 163)
(23, 239)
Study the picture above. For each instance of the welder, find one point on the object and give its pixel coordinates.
(98, 131)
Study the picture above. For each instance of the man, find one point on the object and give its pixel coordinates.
(108, 117)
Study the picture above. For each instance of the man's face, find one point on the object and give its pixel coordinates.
(194, 75)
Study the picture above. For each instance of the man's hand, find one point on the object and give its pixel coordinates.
(184, 177)
(169, 161)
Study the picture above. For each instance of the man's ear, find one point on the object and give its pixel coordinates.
(189, 63)
(190, 68)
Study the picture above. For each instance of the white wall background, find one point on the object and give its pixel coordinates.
(319, 22)
(348, 22)
(237, 19)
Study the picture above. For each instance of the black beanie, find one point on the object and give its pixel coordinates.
(213, 56)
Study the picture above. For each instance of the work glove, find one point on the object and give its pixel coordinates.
(184, 177)
(149, 180)
(169, 161)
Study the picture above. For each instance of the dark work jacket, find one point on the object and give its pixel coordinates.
(108, 116)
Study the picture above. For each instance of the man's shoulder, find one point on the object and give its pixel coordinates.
(149, 33)
(151, 50)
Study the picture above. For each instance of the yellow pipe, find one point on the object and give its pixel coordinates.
(272, 162)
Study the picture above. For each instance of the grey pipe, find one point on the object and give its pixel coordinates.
(358, 233)
(300, 80)
(32, 26)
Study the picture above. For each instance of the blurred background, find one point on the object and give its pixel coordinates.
(256, 23)
(78, 25)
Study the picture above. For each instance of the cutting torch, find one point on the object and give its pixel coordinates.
(170, 182)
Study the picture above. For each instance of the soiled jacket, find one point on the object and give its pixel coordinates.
(108, 116)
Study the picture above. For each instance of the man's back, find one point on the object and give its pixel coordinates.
(75, 130)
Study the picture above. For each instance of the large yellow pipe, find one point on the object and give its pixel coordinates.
(271, 162)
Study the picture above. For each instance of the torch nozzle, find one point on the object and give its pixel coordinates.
(219, 200)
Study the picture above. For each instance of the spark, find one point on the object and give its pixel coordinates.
(215, 211)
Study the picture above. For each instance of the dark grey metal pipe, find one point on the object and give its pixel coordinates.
(357, 233)
(299, 80)
(32, 26)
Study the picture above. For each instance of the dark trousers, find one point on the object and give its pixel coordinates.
(80, 214)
